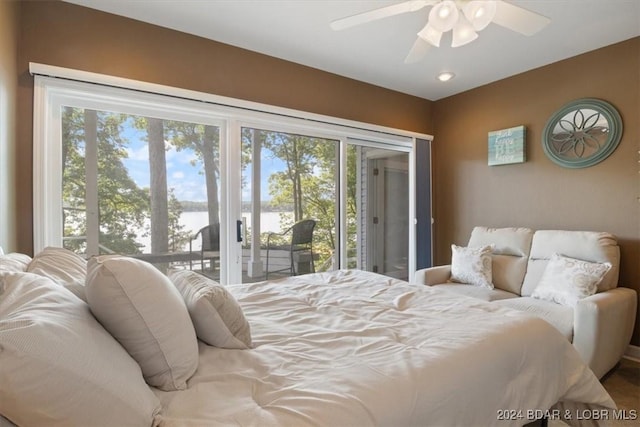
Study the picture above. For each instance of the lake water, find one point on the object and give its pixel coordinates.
(194, 221)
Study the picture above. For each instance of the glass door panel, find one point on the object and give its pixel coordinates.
(141, 186)
(287, 178)
(393, 214)
(378, 210)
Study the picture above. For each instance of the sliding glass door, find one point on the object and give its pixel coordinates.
(377, 210)
(288, 178)
(236, 195)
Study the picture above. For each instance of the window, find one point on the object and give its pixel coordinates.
(128, 181)
(127, 171)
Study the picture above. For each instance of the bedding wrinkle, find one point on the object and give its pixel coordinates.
(351, 348)
(402, 302)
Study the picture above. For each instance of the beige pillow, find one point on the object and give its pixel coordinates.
(64, 267)
(215, 313)
(142, 309)
(59, 367)
(14, 262)
(567, 280)
(472, 265)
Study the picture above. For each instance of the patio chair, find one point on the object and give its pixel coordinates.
(209, 248)
(301, 241)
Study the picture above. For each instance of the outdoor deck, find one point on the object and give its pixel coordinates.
(278, 260)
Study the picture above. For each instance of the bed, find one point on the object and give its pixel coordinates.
(344, 348)
(357, 348)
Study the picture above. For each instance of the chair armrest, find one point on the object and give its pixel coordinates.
(602, 327)
(433, 276)
(269, 235)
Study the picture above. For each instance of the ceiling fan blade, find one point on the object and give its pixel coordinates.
(383, 12)
(518, 19)
(418, 51)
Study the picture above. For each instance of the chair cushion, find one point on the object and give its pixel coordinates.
(479, 292)
(560, 316)
(583, 245)
(145, 312)
(215, 313)
(471, 265)
(511, 248)
(58, 365)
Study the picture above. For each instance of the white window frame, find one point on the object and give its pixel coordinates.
(55, 85)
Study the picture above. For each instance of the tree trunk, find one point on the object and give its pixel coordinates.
(297, 182)
(211, 173)
(158, 184)
(91, 181)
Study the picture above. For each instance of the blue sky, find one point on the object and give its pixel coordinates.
(184, 177)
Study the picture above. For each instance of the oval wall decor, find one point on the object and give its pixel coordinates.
(582, 133)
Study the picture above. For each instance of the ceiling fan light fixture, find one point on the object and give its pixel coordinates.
(444, 15)
(431, 35)
(480, 13)
(463, 33)
(464, 17)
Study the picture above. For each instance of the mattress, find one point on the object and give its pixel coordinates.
(352, 348)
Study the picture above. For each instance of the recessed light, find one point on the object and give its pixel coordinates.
(446, 76)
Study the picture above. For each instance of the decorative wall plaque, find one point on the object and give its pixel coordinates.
(582, 133)
(507, 146)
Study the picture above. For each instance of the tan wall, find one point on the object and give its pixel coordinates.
(71, 36)
(9, 25)
(467, 192)
(8, 87)
(539, 194)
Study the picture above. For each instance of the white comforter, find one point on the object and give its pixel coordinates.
(352, 348)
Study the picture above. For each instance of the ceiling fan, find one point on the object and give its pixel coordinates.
(464, 17)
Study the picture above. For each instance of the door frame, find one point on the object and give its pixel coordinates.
(382, 160)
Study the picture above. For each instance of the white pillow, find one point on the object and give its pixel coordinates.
(215, 313)
(142, 309)
(59, 367)
(14, 262)
(472, 265)
(64, 267)
(567, 280)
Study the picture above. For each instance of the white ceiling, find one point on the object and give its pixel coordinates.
(298, 31)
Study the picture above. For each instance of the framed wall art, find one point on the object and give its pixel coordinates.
(507, 146)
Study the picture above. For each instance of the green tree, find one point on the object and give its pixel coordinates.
(166, 232)
(309, 182)
(297, 152)
(158, 185)
(122, 205)
(204, 140)
(178, 236)
(352, 205)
